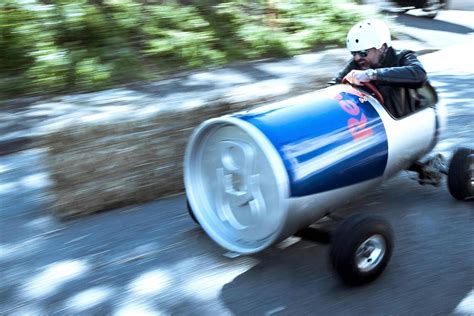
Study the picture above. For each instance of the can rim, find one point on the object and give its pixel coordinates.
(276, 164)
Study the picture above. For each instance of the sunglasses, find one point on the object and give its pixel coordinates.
(361, 53)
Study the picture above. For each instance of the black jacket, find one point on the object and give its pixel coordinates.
(399, 74)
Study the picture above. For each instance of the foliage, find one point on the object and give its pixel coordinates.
(72, 45)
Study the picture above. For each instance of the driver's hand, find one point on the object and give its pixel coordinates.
(357, 77)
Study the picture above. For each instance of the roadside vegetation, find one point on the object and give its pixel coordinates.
(59, 46)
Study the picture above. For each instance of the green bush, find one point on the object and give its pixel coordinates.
(85, 45)
(178, 37)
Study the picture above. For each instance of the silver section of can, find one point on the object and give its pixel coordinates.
(308, 209)
(409, 138)
(441, 111)
(236, 184)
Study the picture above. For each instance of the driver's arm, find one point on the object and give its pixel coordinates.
(409, 74)
(351, 65)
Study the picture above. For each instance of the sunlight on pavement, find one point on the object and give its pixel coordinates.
(222, 77)
(466, 307)
(3, 251)
(4, 168)
(7, 187)
(149, 110)
(263, 89)
(29, 310)
(26, 247)
(200, 279)
(194, 103)
(53, 277)
(137, 309)
(142, 291)
(36, 181)
(88, 299)
(308, 59)
(95, 117)
(434, 62)
(208, 284)
(150, 283)
(41, 223)
(116, 95)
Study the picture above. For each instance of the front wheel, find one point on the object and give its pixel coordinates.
(361, 248)
(461, 174)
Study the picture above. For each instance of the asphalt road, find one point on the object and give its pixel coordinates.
(152, 259)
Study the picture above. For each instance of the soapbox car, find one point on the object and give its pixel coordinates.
(256, 177)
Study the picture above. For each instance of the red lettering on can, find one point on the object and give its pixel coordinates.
(350, 107)
(357, 124)
(358, 129)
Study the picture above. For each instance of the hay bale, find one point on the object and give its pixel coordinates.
(115, 153)
(100, 161)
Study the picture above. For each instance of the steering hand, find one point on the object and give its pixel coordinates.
(358, 77)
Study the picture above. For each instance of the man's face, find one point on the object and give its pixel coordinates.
(367, 58)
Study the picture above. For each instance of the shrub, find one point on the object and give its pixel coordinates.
(74, 45)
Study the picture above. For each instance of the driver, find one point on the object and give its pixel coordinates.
(396, 74)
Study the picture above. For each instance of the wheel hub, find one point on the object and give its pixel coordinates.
(370, 253)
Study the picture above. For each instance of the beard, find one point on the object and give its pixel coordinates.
(363, 64)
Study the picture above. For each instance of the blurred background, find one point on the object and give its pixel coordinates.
(52, 47)
(97, 101)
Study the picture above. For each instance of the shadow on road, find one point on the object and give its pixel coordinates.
(423, 276)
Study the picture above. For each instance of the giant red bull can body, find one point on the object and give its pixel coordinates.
(256, 177)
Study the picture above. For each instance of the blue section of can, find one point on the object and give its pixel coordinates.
(327, 139)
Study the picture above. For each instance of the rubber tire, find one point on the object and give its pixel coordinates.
(191, 212)
(459, 174)
(347, 238)
(430, 14)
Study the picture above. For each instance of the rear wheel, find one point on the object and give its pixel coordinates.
(461, 174)
(431, 8)
(361, 248)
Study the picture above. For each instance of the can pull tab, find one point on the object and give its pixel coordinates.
(239, 197)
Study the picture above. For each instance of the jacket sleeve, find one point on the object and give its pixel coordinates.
(409, 74)
(338, 78)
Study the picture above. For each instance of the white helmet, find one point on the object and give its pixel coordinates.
(368, 34)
